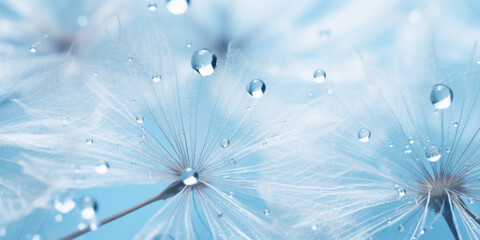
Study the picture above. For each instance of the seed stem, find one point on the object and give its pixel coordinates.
(172, 190)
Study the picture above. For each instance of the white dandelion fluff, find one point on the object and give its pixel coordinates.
(402, 157)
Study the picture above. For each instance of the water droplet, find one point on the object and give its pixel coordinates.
(314, 227)
(310, 94)
(139, 119)
(152, 7)
(407, 149)
(364, 135)
(470, 200)
(230, 195)
(390, 144)
(447, 150)
(389, 221)
(178, 7)
(441, 96)
(422, 231)
(102, 168)
(433, 153)
(156, 78)
(220, 214)
(400, 228)
(204, 62)
(189, 44)
(130, 59)
(411, 141)
(401, 193)
(89, 141)
(33, 49)
(256, 88)
(455, 124)
(189, 177)
(224, 143)
(319, 76)
(82, 21)
(63, 202)
(232, 162)
(88, 207)
(478, 61)
(266, 212)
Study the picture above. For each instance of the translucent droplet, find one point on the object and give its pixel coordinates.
(88, 207)
(447, 150)
(319, 76)
(152, 7)
(400, 228)
(156, 78)
(478, 61)
(130, 59)
(389, 221)
(33, 49)
(102, 168)
(401, 193)
(314, 227)
(422, 231)
(470, 200)
(63, 202)
(433, 153)
(204, 62)
(266, 212)
(455, 124)
(224, 143)
(189, 177)
(441, 96)
(189, 44)
(178, 7)
(407, 149)
(139, 119)
(89, 141)
(230, 195)
(411, 141)
(390, 144)
(364, 135)
(256, 88)
(220, 214)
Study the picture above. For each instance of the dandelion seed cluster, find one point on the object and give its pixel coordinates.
(216, 120)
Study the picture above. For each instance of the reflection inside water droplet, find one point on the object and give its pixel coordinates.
(433, 153)
(88, 207)
(441, 96)
(319, 76)
(189, 177)
(256, 88)
(224, 143)
(204, 62)
(364, 135)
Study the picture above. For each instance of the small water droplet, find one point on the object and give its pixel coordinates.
(139, 119)
(152, 7)
(364, 135)
(204, 62)
(89, 141)
(314, 227)
(189, 177)
(478, 61)
(400, 228)
(102, 168)
(433, 153)
(422, 231)
(230, 195)
(220, 214)
(441, 96)
(232, 162)
(156, 78)
(266, 212)
(389, 221)
(455, 124)
(88, 207)
(33, 49)
(447, 150)
(407, 149)
(411, 141)
(390, 144)
(224, 143)
(470, 200)
(319, 76)
(256, 88)
(130, 59)
(177, 7)
(401, 193)
(63, 201)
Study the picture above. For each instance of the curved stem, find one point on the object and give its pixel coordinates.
(172, 190)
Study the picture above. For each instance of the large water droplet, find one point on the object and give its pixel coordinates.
(102, 168)
(319, 76)
(224, 143)
(152, 7)
(441, 96)
(178, 7)
(364, 135)
(433, 153)
(204, 62)
(189, 177)
(256, 88)
(63, 202)
(88, 207)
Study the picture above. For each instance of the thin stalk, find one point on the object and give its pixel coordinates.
(172, 190)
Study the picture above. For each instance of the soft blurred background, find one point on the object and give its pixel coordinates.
(294, 36)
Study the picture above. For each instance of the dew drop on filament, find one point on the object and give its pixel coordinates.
(364, 135)
(256, 88)
(224, 143)
(433, 153)
(177, 7)
(89, 141)
(88, 207)
(266, 212)
(139, 119)
(204, 62)
(189, 177)
(319, 76)
(441, 96)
